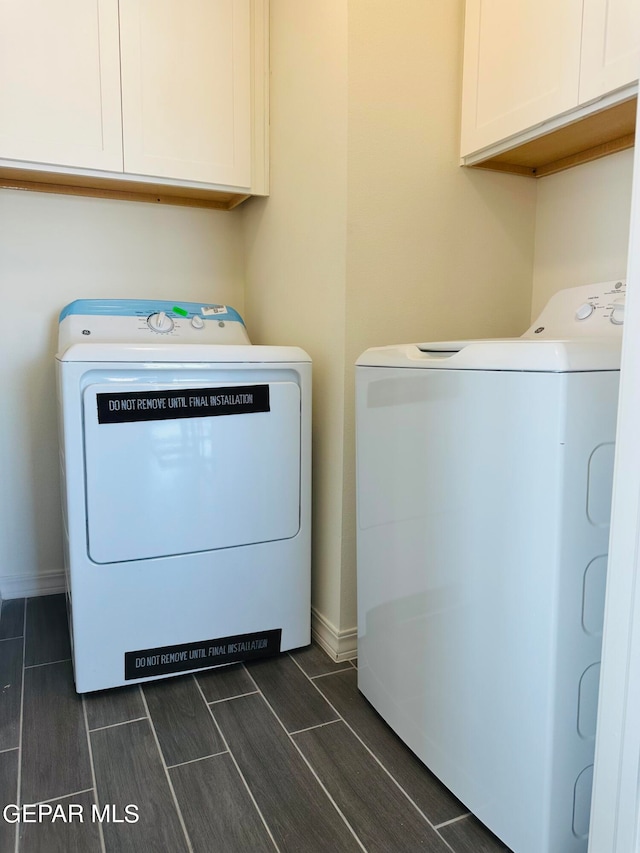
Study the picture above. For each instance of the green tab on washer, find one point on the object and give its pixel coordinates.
(180, 311)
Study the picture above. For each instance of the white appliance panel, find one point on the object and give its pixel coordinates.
(484, 475)
(185, 455)
(182, 484)
(473, 536)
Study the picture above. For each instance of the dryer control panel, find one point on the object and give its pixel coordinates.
(141, 321)
(592, 310)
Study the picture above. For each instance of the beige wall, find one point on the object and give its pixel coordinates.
(54, 249)
(296, 243)
(582, 226)
(372, 233)
(434, 252)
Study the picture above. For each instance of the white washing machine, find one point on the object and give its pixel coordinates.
(484, 472)
(185, 455)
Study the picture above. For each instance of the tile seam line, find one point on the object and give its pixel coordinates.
(453, 820)
(229, 698)
(373, 755)
(313, 728)
(306, 761)
(166, 773)
(60, 797)
(19, 773)
(46, 663)
(9, 749)
(448, 823)
(195, 760)
(114, 725)
(325, 674)
(6, 601)
(445, 842)
(236, 765)
(96, 799)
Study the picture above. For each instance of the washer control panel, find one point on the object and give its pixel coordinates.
(592, 310)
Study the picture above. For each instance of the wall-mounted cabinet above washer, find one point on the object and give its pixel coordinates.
(158, 101)
(548, 83)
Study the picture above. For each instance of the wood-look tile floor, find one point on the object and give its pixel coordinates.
(276, 755)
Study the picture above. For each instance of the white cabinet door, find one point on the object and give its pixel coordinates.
(522, 60)
(610, 46)
(186, 89)
(60, 83)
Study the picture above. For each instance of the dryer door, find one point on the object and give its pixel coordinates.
(174, 469)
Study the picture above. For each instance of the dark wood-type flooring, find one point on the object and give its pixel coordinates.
(276, 755)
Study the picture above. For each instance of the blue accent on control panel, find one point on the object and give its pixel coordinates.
(145, 307)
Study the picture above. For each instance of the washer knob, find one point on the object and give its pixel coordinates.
(617, 314)
(584, 311)
(160, 322)
(197, 322)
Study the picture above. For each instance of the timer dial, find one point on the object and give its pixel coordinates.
(160, 322)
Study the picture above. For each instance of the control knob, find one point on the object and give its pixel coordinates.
(617, 313)
(584, 311)
(159, 322)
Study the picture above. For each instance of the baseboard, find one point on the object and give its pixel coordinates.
(339, 645)
(28, 586)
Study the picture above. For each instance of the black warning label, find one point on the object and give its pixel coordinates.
(127, 407)
(205, 653)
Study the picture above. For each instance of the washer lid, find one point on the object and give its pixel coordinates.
(579, 329)
(518, 354)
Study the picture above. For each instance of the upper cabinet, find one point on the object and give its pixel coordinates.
(521, 66)
(165, 100)
(186, 89)
(60, 83)
(610, 56)
(536, 67)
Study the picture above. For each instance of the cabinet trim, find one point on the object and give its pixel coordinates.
(602, 128)
(123, 189)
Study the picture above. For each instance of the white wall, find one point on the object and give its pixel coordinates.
(54, 249)
(582, 226)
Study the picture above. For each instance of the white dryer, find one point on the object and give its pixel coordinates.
(185, 454)
(484, 473)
